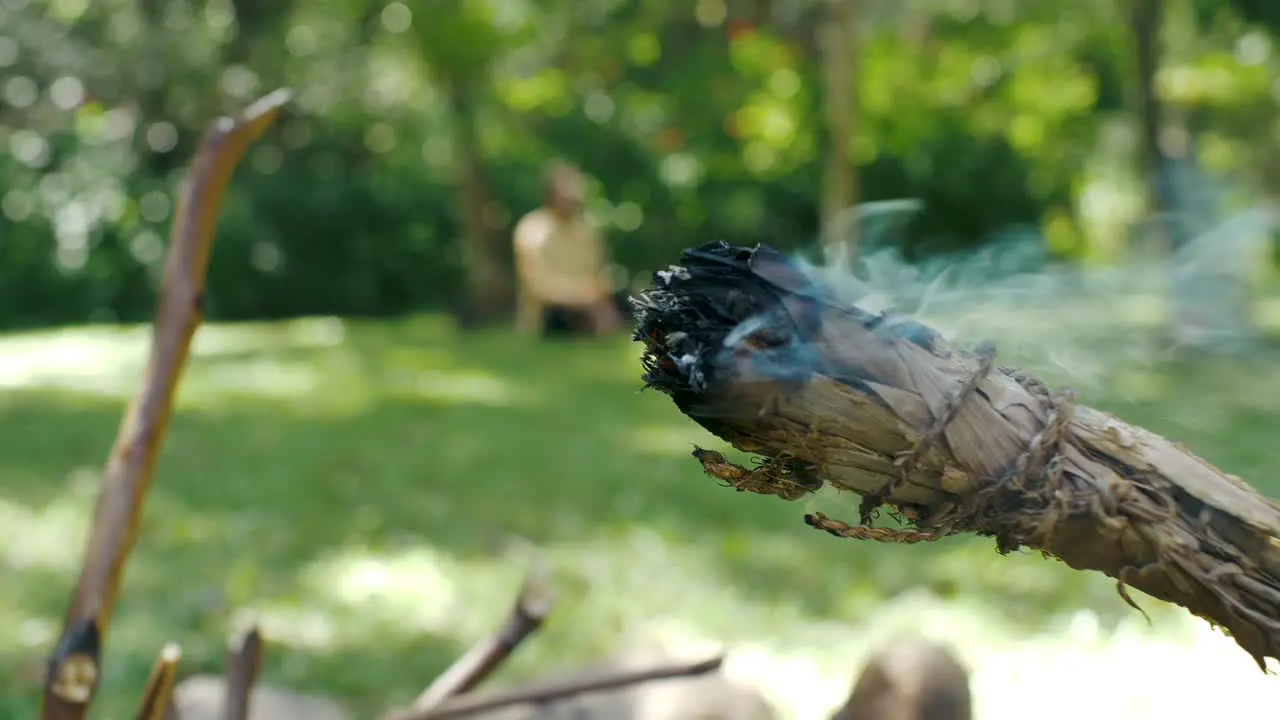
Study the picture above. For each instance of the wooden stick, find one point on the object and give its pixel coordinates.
(74, 668)
(527, 614)
(764, 354)
(244, 662)
(556, 689)
(159, 688)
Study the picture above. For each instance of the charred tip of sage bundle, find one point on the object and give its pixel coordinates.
(761, 353)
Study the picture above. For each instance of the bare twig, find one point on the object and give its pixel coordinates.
(159, 688)
(548, 690)
(244, 661)
(531, 608)
(74, 668)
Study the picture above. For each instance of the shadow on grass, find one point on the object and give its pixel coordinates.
(369, 497)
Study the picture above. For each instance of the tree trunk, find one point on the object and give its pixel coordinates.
(1208, 287)
(1147, 17)
(838, 46)
(755, 350)
(489, 283)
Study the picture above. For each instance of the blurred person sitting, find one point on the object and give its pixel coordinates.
(563, 284)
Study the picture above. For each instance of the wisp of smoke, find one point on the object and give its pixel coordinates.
(1071, 321)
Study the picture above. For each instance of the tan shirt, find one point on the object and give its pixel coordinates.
(558, 262)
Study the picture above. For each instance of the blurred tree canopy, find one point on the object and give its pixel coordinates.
(420, 128)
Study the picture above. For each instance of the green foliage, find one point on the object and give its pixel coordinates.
(693, 126)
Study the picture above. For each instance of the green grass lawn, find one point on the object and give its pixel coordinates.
(373, 492)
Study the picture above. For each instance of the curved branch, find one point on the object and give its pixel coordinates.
(75, 667)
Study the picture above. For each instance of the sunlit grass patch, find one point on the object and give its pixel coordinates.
(374, 492)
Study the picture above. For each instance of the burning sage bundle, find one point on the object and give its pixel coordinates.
(760, 353)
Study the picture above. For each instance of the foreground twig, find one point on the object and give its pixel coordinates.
(74, 669)
(757, 351)
(244, 661)
(556, 689)
(159, 688)
(531, 608)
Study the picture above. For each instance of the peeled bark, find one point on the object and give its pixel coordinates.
(762, 354)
